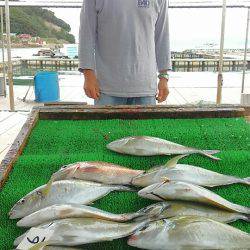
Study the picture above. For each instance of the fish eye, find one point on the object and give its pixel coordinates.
(39, 193)
(22, 201)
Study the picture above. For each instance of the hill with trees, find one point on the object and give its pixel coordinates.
(40, 22)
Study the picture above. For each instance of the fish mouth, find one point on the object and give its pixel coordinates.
(149, 192)
(118, 145)
(132, 239)
(157, 196)
(113, 147)
(151, 195)
(12, 214)
(20, 223)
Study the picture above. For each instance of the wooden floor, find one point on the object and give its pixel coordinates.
(11, 123)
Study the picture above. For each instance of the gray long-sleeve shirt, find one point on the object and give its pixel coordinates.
(126, 42)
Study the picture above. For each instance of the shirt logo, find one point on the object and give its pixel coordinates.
(143, 3)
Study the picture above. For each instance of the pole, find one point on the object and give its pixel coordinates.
(245, 54)
(220, 75)
(3, 56)
(10, 67)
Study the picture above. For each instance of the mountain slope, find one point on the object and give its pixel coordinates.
(39, 22)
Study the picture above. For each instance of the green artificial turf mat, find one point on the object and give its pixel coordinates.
(56, 143)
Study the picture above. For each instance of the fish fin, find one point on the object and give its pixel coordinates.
(47, 188)
(210, 153)
(246, 181)
(173, 162)
(39, 246)
(154, 169)
(246, 218)
(165, 180)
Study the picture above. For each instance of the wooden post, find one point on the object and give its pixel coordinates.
(3, 56)
(234, 66)
(188, 66)
(220, 75)
(173, 65)
(203, 65)
(245, 54)
(10, 68)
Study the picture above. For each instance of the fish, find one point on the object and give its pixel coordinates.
(80, 231)
(171, 209)
(182, 172)
(63, 211)
(61, 192)
(102, 172)
(177, 190)
(189, 233)
(150, 146)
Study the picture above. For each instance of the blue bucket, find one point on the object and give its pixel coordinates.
(47, 87)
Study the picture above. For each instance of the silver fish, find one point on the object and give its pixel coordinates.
(150, 146)
(98, 172)
(64, 211)
(61, 192)
(79, 231)
(190, 233)
(187, 173)
(177, 190)
(182, 208)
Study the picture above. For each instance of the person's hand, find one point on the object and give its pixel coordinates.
(91, 86)
(163, 90)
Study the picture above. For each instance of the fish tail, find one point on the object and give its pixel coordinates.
(210, 153)
(246, 181)
(241, 209)
(246, 218)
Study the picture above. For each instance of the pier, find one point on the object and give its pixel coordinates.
(201, 64)
(50, 63)
(186, 65)
(195, 64)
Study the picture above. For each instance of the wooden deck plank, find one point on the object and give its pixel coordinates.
(17, 147)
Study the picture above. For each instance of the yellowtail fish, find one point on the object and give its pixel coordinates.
(182, 208)
(64, 211)
(189, 233)
(79, 231)
(187, 173)
(177, 190)
(150, 146)
(98, 172)
(62, 192)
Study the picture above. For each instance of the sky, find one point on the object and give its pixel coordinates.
(189, 28)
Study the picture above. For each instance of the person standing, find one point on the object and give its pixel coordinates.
(122, 46)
